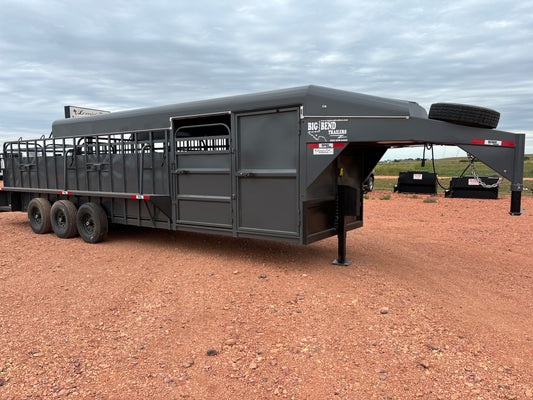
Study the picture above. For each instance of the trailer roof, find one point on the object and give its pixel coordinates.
(316, 100)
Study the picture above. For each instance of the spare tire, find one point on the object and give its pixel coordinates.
(463, 114)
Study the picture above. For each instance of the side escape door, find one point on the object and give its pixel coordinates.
(266, 178)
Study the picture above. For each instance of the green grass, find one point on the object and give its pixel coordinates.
(446, 167)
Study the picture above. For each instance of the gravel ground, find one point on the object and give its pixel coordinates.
(437, 304)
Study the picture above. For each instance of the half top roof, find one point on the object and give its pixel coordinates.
(316, 101)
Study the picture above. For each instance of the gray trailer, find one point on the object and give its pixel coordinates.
(285, 165)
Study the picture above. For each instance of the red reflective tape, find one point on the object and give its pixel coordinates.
(64, 192)
(139, 197)
(493, 142)
(326, 145)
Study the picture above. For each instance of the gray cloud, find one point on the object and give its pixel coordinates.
(128, 54)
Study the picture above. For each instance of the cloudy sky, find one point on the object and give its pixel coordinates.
(117, 55)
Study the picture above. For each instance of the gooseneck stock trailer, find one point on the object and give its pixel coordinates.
(285, 165)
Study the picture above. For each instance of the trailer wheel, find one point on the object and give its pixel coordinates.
(63, 217)
(39, 215)
(92, 222)
(463, 114)
(368, 185)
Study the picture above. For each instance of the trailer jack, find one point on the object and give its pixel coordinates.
(341, 229)
(516, 197)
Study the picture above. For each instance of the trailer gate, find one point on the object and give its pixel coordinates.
(286, 165)
(201, 177)
(266, 181)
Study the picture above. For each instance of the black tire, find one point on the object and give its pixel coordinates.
(39, 215)
(463, 114)
(63, 216)
(92, 222)
(370, 184)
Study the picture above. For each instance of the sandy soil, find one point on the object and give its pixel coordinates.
(437, 304)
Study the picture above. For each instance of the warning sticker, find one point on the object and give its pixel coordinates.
(473, 182)
(323, 152)
(328, 130)
(324, 149)
(417, 177)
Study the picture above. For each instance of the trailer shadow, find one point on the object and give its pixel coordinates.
(238, 250)
(208, 247)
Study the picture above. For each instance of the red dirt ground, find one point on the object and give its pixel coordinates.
(437, 304)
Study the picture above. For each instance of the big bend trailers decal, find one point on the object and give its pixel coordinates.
(328, 130)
